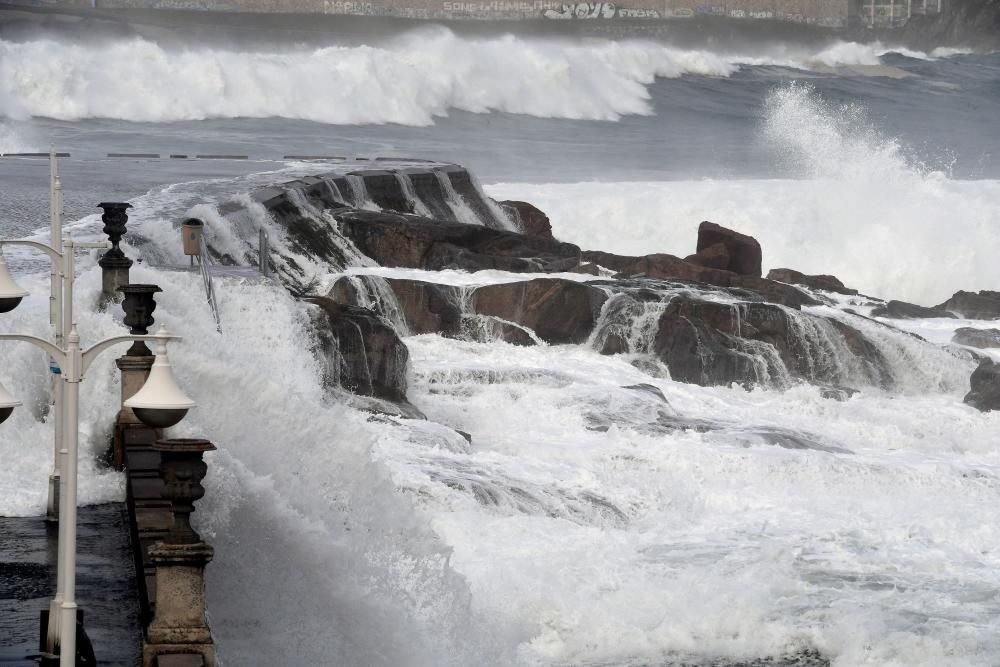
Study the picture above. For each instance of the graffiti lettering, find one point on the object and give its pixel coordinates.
(582, 10)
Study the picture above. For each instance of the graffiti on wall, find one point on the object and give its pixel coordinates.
(598, 10)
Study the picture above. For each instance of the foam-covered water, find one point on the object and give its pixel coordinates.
(408, 79)
(601, 514)
(862, 209)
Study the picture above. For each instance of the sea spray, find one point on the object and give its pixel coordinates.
(409, 78)
(865, 211)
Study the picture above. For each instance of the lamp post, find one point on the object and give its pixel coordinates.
(162, 402)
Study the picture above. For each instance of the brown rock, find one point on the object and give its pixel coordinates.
(426, 243)
(982, 306)
(428, 307)
(714, 257)
(529, 218)
(820, 282)
(901, 310)
(558, 311)
(661, 266)
(360, 352)
(744, 251)
(775, 292)
(712, 343)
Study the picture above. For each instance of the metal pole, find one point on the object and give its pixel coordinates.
(69, 428)
(55, 234)
(59, 323)
(72, 375)
(265, 251)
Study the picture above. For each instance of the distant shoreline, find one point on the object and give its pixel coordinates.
(921, 32)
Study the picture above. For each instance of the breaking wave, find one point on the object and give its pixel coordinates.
(408, 79)
(860, 206)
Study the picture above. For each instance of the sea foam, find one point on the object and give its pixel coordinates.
(409, 79)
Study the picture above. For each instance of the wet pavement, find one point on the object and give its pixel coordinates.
(106, 586)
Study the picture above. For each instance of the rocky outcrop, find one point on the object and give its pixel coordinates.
(985, 381)
(713, 343)
(558, 311)
(773, 291)
(359, 351)
(901, 310)
(426, 243)
(659, 265)
(818, 282)
(981, 338)
(984, 305)
(427, 307)
(529, 219)
(743, 252)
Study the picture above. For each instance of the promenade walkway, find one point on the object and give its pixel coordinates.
(106, 586)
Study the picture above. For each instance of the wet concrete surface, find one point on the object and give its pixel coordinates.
(106, 585)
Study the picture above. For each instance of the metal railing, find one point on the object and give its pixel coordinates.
(204, 263)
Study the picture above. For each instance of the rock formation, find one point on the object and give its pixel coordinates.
(709, 318)
(820, 282)
(984, 305)
(901, 310)
(981, 338)
(985, 381)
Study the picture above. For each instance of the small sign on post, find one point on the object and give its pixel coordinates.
(192, 230)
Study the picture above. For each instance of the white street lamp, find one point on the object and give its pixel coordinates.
(10, 292)
(7, 404)
(163, 403)
(160, 403)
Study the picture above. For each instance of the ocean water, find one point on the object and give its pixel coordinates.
(574, 529)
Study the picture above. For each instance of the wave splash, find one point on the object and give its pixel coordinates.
(860, 206)
(408, 79)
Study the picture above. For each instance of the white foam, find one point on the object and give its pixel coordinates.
(863, 210)
(409, 79)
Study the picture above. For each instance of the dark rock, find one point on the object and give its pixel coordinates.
(744, 251)
(588, 268)
(820, 282)
(837, 393)
(529, 219)
(713, 257)
(466, 187)
(900, 310)
(775, 292)
(649, 389)
(558, 311)
(426, 243)
(361, 353)
(486, 329)
(428, 307)
(659, 266)
(985, 393)
(972, 306)
(712, 343)
(981, 338)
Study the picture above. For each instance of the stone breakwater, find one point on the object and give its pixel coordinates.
(376, 252)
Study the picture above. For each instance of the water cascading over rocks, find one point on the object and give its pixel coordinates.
(710, 318)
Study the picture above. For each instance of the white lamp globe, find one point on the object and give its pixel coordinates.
(160, 403)
(10, 292)
(7, 404)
